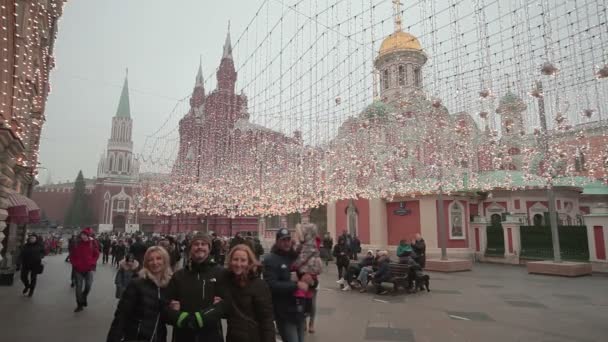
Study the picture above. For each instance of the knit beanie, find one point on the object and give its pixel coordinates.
(200, 236)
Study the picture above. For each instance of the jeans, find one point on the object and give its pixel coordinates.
(28, 277)
(291, 331)
(341, 271)
(363, 275)
(86, 280)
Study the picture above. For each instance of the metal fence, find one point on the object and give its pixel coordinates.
(496, 241)
(536, 243)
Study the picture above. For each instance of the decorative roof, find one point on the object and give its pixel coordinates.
(199, 75)
(377, 109)
(399, 41)
(124, 108)
(227, 45)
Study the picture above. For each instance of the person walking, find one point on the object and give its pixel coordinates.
(119, 251)
(197, 296)
(328, 244)
(139, 311)
(127, 271)
(106, 245)
(84, 260)
(289, 317)
(30, 262)
(250, 317)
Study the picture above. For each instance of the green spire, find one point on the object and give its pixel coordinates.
(124, 109)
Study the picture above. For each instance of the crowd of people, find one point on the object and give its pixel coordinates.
(218, 278)
(374, 265)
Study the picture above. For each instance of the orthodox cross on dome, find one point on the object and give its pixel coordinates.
(227, 45)
(397, 15)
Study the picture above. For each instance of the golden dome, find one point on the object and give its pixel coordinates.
(398, 41)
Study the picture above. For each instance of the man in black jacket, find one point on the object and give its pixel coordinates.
(196, 294)
(277, 273)
(30, 262)
(419, 247)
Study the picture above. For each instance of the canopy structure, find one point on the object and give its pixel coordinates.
(22, 210)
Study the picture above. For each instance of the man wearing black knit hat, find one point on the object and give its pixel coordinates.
(197, 302)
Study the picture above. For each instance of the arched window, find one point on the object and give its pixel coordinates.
(111, 165)
(496, 220)
(537, 220)
(385, 79)
(128, 164)
(401, 75)
(119, 163)
(457, 223)
(417, 77)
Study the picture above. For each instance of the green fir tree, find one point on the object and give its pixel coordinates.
(78, 214)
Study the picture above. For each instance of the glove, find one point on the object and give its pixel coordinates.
(190, 321)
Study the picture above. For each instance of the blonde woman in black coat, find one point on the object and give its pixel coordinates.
(250, 317)
(140, 312)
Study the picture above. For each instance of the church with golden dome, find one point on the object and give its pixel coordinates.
(410, 138)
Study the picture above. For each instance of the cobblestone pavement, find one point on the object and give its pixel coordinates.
(491, 303)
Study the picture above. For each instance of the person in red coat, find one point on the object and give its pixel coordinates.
(84, 261)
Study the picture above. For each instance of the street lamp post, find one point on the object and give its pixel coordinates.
(557, 257)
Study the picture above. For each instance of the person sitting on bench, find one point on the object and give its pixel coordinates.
(354, 270)
(383, 273)
(404, 251)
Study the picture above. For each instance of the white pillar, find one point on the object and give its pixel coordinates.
(481, 224)
(378, 223)
(428, 221)
(331, 219)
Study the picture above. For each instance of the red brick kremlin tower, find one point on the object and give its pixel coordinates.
(206, 142)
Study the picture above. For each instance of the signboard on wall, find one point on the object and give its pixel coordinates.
(106, 227)
(131, 228)
(402, 210)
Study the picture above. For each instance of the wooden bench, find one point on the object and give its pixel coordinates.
(399, 275)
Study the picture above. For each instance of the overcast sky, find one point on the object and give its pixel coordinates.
(159, 41)
(295, 64)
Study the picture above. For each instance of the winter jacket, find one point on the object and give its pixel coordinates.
(277, 273)
(356, 245)
(105, 245)
(140, 313)
(341, 253)
(404, 250)
(328, 243)
(383, 273)
(84, 256)
(195, 287)
(250, 317)
(124, 275)
(31, 256)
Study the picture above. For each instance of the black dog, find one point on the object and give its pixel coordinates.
(422, 281)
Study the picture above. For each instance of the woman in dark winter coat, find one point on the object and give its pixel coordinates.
(341, 253)
(30, 261)
(250, 317)
(127, 270)
(141, 309)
